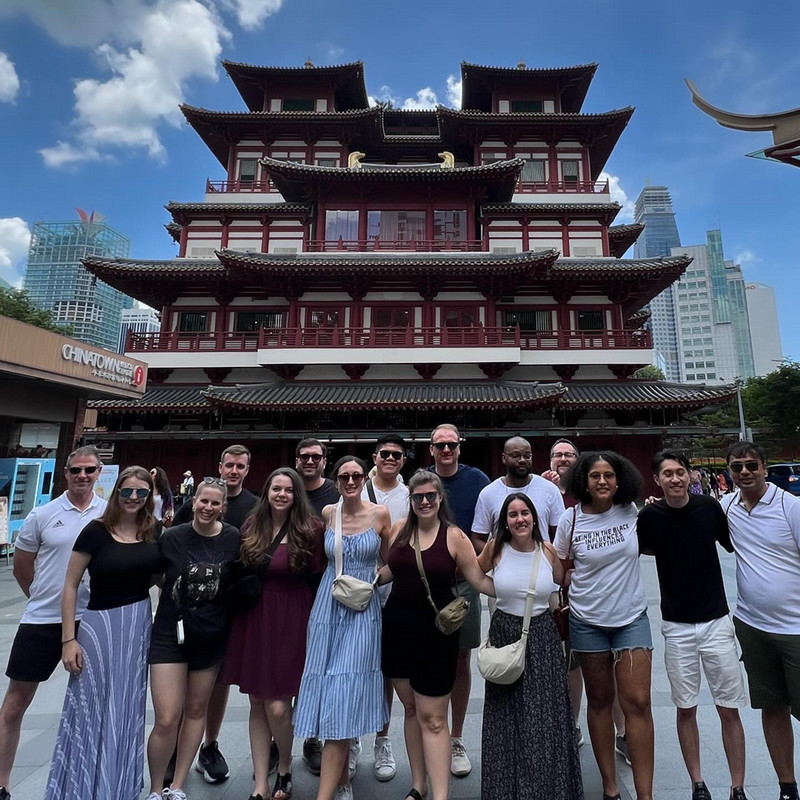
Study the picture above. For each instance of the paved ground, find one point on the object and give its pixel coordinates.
(671, 782)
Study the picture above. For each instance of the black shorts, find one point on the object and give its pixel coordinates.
(36, 652)
(164, 649)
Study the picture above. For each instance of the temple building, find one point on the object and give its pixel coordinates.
(356, 269)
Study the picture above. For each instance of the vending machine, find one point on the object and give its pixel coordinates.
(26, 483)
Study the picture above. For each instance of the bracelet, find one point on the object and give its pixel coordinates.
(68, 641)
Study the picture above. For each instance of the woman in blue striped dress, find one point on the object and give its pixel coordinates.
(100, 747)
(341, 692)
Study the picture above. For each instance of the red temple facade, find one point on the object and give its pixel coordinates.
(361, 269)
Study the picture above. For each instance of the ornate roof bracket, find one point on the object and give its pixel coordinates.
(158, 375)
(287, 372)
(355, 371)
(565, 371)
(218, 375)
(562, 291)
(622, 371)
(494, 371)
(427, 371)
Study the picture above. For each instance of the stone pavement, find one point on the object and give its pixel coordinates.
(671, 780)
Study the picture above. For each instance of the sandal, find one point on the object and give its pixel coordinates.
(412, 792)
(283, 787)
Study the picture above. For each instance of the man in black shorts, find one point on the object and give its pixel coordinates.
(42, 551)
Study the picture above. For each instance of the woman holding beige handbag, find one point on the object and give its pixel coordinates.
(421, 618)
(341, 693)
(529, 748)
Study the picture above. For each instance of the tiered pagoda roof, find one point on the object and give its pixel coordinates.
(621, 237)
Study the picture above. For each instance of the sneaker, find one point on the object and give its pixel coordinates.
(579, 736)
(312, 754)
(459, 762)
(355, 754)
(6, 795)
(174, 794)
(385, 767)
(621, 746)
(343, 793)
(212, 764)
(170, 773)
(789, 791)
(700, 791)
(151, 796)
(274, 757)
(737, 793)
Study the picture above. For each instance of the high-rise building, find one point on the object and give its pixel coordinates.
(56, 280)
(136, 320)
(654, 210)
(713, 327)
(766, 334)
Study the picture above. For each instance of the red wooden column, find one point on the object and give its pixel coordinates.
(183, 240)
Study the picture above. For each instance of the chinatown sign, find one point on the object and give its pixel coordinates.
(104, 366)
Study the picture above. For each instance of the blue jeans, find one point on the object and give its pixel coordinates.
(587, 638)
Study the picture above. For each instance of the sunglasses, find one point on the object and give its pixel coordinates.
(393, 455)
(418, 497)
(563, 455)
(346, 477)
(738, 466)
(78, 470)
(127, 492)
(314, 457)
(215, 482)
(445, 445)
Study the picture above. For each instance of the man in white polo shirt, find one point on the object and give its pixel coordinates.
(42, 551)
(764, 524)
(518, 462)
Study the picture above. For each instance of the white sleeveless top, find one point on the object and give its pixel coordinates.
(512, 576)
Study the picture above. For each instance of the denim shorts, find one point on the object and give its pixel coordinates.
(587, 638)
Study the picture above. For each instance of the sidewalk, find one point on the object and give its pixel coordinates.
(671, 780)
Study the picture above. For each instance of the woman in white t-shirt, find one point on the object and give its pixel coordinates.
(529, 747)
(609, 628)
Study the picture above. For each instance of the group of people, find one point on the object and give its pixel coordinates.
(321, 598)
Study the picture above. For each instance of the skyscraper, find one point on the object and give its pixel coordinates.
(654, 209)
(137, 320)
(56, 280)
(766, 335)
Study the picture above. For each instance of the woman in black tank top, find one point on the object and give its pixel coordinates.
(420, 660)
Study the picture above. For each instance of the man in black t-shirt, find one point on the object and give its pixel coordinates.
(682, 532)
(311, 459)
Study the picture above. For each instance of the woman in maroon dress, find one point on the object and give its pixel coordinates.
(267, 645)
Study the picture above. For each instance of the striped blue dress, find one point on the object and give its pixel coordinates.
(341, 692)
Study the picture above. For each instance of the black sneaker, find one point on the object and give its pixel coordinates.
(737, 793)
(273, 757)
(4, 793)
(211, 763)
(170, 773)
(312, 754)
(700, 791)
(788, 791)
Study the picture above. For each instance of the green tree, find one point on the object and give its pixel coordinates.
(772, 403)
(16, 304)
(649, 373)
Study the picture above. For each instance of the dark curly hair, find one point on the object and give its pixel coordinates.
(629, 479)
(503, 533)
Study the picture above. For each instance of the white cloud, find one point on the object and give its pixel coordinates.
(746, 257)
(426, 98)
(619, 195)
(453, 91)
(251, 13)
(15, 238)
(9, 80)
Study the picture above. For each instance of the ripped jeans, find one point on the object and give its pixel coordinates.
(587, 638)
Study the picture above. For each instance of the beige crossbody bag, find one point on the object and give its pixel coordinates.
(347, 589)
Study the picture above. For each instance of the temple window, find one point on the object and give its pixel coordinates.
(527, 106)
(383, 317)
(529, 320)
(298, 104)
(449, 225)
(341, 225)
(192, 321)
(324, 318)
(591, 320)
(327, 162)
(251, 321)
(247, 170)
(455, 317)
(570, 170)
(533, 171)
(396, 226)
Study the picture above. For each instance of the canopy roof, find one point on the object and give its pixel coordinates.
(621, 237)
(570, 83)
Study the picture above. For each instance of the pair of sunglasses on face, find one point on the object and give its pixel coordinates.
(127, 492)
(78, 470)
(418, 497)
(445, 445)
(738, 466)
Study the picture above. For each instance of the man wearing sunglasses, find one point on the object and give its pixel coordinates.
(462, 485)
(42, 551)
(764, 523)
(311, 459)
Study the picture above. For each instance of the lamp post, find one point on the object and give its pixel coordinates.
(742, 428)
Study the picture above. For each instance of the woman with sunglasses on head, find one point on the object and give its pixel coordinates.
(608, 626)
(267, 646)
(529, 747)
(100, 747)
(190, 634)
(342, 692)
(420, 659)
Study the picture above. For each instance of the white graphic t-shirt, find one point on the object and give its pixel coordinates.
(606, 587)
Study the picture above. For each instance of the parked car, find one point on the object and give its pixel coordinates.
(787, 476)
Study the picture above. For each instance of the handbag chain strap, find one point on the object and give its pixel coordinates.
(421, 568)
(526, 620)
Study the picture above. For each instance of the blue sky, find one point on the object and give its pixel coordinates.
(89, 91)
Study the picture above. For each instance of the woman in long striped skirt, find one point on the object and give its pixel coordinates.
(341, 692)
(100, 747)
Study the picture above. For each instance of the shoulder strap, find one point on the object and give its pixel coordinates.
(572, 529)
(371, 491)
(526, 620)
(273, 546)
(421, 568)
(337, 537)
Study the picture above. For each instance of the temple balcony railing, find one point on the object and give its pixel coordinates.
(549, 187)
(393, 245)
(245, 186)
(402, 345)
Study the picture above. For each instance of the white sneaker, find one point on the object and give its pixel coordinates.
(343, 793)
(154, 796)
(385, 767)
(459, 762)
(174, 794)
(355, 754)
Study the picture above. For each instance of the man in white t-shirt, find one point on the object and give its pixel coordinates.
(518, 461)
(764, 523)
(386, 489)
(42, 551)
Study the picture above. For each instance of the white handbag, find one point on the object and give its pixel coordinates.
(506, 664)
(347, 589)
